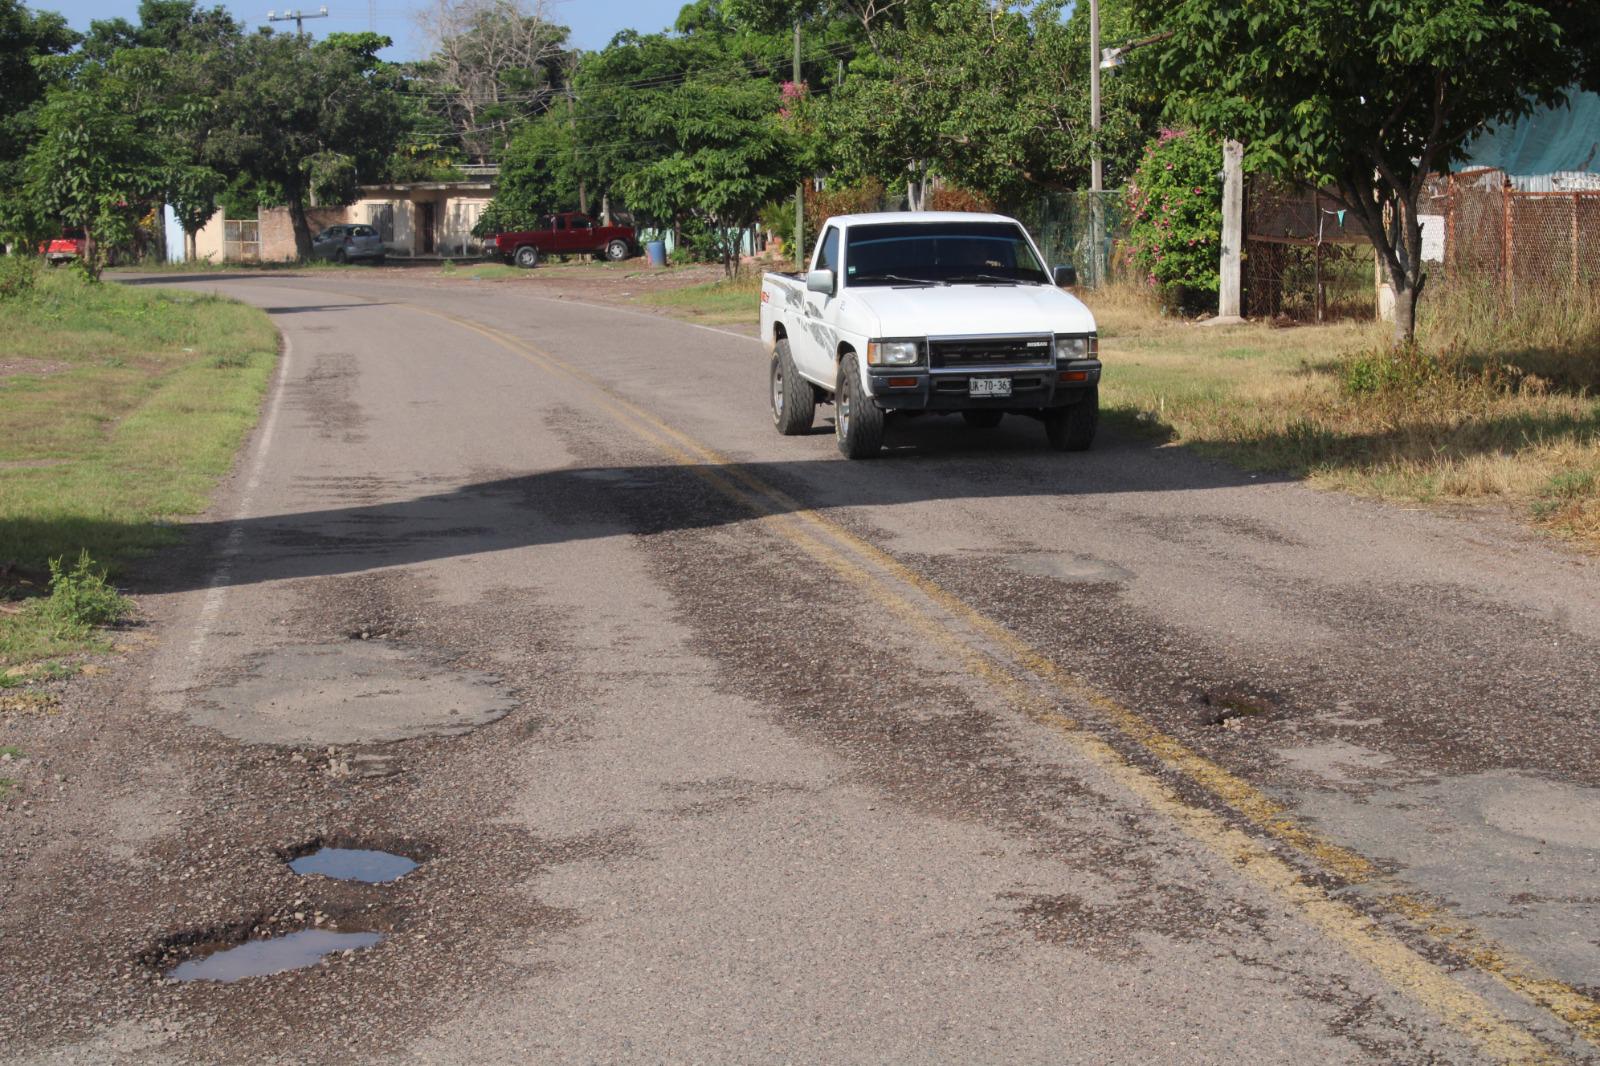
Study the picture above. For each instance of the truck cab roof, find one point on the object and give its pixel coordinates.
(913, 217)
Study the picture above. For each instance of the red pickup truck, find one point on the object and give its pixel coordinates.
(63, 249)
(567, 233)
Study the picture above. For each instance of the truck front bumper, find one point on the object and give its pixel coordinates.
(1032, 388)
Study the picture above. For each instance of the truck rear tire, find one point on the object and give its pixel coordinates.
(857, 421)
(794, 401)
(526, 257)
(1071, 429)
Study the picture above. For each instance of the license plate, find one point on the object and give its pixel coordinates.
(990, 386)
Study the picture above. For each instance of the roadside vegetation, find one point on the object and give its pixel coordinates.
(726, 301)
(1493, 404)
(120, 407)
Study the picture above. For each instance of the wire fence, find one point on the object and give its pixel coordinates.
(1527, 243)
(1084, 229)
(1304, 256)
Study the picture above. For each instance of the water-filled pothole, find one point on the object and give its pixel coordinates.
(354, 864)
(257, 958)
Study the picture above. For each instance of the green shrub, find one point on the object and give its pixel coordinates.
(81, 598)
(17, 276)
(1175, 202)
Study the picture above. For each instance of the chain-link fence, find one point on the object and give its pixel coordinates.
(1528, 243)
(1085, 229)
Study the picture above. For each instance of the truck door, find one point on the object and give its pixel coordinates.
(814, 353)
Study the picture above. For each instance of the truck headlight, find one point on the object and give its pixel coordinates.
(1077, 346)
(893, 353)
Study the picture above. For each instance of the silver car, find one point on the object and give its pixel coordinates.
(347, 243)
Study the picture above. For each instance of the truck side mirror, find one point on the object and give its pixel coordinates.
(1066, 277)
(820, 281)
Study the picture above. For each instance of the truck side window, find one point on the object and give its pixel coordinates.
(828, 258)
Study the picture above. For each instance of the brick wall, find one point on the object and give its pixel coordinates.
(277, 231)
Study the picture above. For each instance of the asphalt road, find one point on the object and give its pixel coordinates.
(716, 747)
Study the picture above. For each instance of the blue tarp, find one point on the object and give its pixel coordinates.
(1549, 141)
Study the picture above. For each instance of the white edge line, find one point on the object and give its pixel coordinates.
(211, 606)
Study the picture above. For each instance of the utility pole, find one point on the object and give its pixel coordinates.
(800, 190)
(1096, 176)
(1232, 231)
(297, 17)
(1097, 223)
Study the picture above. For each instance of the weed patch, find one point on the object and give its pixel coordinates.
(728, 300)
(149, 395)
(1462, 416)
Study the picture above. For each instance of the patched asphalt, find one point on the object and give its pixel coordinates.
(687, 787)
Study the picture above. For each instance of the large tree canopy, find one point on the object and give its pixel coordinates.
(1369, 97)
(311, 119)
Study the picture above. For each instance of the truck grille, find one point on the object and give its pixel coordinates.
(978, 352)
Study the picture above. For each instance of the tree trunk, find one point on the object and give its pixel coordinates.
(191, 245)
(302, 226)
(1405, 314)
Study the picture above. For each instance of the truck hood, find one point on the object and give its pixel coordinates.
(964, 310)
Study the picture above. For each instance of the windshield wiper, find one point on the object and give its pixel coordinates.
(989, 278)
(897, 277)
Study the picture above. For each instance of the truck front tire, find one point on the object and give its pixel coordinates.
(794, 401)
(617, 251)
(1071, 429)
(857, 421)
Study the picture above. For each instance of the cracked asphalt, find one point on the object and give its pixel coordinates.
(715, 747)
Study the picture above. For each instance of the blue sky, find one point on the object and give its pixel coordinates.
(592, 21)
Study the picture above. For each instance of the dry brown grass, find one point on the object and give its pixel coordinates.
(1498, 403)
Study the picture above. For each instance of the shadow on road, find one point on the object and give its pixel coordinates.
(941, 462)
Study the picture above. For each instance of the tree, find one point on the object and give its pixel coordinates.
(536, 177)
(311, 119)
(24, 37)
(725, 153)
(1369, 97)
(495, 65)
(96, 162)
(989, 97)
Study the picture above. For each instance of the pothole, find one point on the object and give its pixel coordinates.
(258, 958)
(354, 864)
(1068, 567)
(1228, 706)
(353, 692)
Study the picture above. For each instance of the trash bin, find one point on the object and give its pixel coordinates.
(656, 251)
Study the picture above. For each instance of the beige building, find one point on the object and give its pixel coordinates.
(417, 220)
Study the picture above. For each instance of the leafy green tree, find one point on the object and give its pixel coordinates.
(725, 153)
(1369, 97)
(96, 162)
(991, 98)
(24, 37)
(537, 177)
(311, 119)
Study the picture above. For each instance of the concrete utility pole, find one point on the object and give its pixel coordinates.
(297, 17)
(1097, 218)
(1096, 175)
(799, 190)
(1232, 230)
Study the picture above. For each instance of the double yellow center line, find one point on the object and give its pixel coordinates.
(1019, 672)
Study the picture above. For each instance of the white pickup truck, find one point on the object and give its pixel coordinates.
(908, 314)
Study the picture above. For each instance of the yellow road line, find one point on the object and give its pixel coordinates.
(1463, 1009)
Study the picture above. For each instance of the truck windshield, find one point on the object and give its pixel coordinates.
(952, 253)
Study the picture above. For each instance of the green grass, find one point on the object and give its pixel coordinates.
(120, 408)
(1492, 406)
(726, 301)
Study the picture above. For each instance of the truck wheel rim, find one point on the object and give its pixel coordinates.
(844, 409)
(777, 389)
